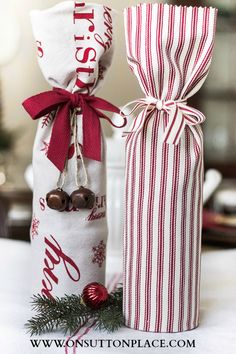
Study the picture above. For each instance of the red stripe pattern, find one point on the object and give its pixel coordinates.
(169, 49)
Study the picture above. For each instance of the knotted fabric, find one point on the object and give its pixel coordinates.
(179, 112)
(63, 103)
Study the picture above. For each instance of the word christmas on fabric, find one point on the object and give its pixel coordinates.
(85, 54)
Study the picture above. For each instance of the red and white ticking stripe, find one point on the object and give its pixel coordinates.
(169, 49)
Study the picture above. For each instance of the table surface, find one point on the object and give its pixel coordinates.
(216, 333)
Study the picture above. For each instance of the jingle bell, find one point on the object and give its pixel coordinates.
(83, 198)
(57, 199)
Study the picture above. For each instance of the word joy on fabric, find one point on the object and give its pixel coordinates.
(85, 54)
(54, 256)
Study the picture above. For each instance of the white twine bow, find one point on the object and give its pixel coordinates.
(179, 112)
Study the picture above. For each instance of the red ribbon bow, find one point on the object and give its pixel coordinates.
(64, 102)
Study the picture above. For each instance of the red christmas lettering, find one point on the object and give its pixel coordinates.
(79, 4)
(53, 257)
(101, 201)
(95, 216)
(109, 25)
(84, 16)
(40, 49)
(42, 204)
(79, 83)
(86, 53)
(96, 213)
(109, 30)
(79, 38)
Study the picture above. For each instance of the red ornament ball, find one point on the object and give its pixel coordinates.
(95, 295)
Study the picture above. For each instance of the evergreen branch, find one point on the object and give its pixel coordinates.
(69, 313)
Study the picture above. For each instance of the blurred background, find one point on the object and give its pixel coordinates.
(20, 78)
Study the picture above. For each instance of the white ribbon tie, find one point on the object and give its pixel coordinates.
(179, 112)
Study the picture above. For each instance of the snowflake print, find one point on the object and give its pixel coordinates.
(35, 227)
(99, 254)
(45, 147)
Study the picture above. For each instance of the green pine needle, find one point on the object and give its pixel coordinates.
(69, 313)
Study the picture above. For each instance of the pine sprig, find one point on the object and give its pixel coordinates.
(69, 313)
(110, 318)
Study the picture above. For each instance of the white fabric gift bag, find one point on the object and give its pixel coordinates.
(74, 43)
(169, 49)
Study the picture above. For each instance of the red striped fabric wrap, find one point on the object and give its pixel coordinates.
(169, 49)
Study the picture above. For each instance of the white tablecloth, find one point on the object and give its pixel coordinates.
(216, 334)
